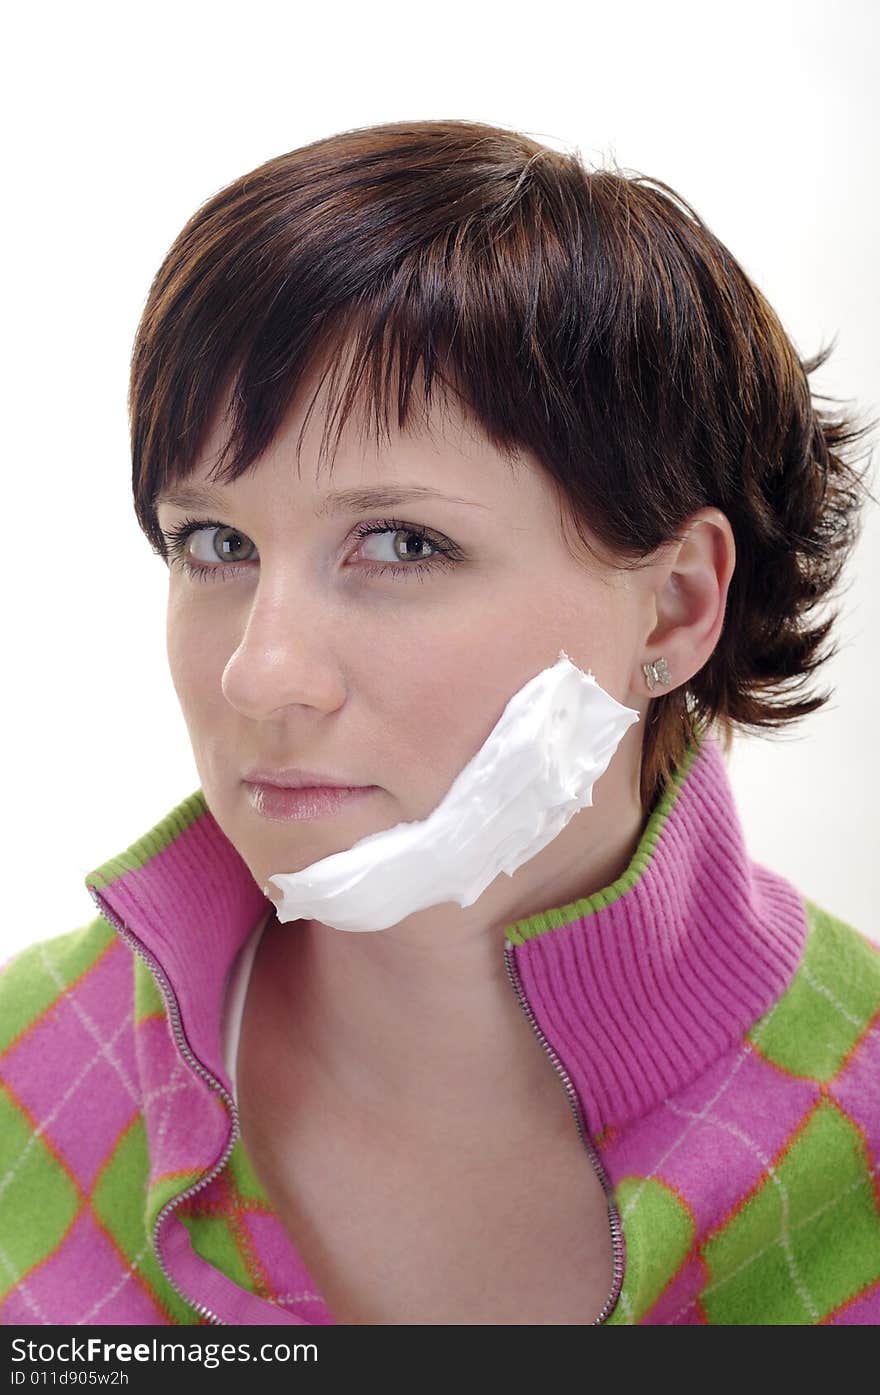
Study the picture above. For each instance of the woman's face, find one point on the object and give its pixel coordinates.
(381, 659)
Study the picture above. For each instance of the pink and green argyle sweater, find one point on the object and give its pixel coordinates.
(718, 1036)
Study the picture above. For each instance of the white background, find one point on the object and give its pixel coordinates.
(119, 121)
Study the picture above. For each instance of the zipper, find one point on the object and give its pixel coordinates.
(516, 983)
(576, 1109)
(174, 1011)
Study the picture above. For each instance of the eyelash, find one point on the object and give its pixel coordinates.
(446, 553)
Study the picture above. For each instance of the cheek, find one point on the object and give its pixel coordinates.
(195, 658)
(422, 720)
(437, 710)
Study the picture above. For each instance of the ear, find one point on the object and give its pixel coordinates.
(689, 584)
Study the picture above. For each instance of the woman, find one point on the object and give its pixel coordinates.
(634, 1080)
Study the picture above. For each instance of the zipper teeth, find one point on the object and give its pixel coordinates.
(174, 1011)
(613, 1213)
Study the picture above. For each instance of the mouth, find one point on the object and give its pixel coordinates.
(284, 804)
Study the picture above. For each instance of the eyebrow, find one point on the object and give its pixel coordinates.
(340, 501)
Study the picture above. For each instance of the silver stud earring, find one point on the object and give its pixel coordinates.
(657, 672)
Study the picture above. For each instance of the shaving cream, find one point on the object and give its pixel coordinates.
(534, 771)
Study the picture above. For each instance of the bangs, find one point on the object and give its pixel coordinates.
(373, 374)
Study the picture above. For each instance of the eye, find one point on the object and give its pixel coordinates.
(228, 541)
(406, 546)
(407, 549)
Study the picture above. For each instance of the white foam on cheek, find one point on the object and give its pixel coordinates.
(534, 771)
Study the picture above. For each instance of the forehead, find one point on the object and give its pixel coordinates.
(439, 453)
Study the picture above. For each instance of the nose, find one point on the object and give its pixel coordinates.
(284, 658)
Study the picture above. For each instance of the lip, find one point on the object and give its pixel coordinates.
(293, 778)
(282, 804)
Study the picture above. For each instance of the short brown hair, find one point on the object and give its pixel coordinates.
(590, 317)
